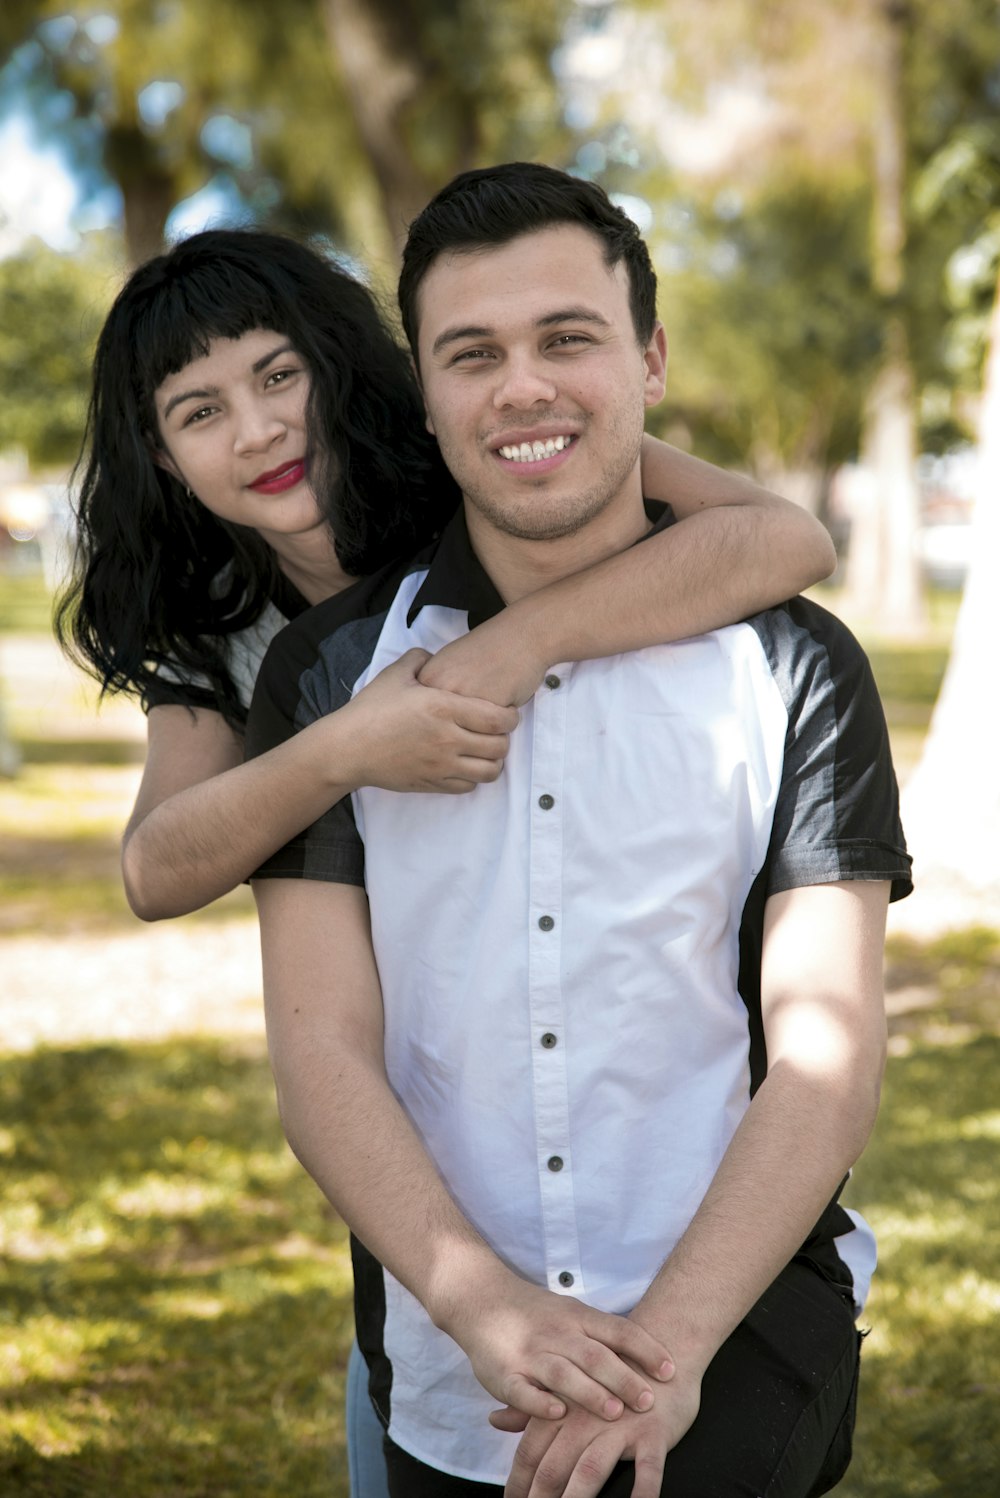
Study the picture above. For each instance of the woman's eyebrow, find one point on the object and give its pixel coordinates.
(207, 391)
(265, 359)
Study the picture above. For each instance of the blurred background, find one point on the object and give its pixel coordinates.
(820, 188)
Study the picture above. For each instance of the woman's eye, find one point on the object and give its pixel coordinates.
(472, 356)
(279, 376)
(199, 415)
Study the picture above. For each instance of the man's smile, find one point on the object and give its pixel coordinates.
(535, 451)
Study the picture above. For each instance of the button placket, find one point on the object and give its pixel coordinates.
(549, 1060)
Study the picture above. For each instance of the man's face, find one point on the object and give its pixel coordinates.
(534, 381)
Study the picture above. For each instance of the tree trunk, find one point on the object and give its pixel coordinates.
(382, 73)
(147, 204)
(883, 578)
(149, 190)
(952, 803)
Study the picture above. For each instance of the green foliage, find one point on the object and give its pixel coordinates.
(52, 309)
(773, 327)
(491, 94)
(267, 115)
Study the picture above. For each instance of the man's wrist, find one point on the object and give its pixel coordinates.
(462, 1274)
(692, 1342)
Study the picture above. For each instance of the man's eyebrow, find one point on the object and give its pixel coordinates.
(454, 335)
(549, 320)
(572, 314)
(206, 392)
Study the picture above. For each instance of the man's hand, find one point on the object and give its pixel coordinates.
(538, 1351)
(407, 736)
(498, 661)
(574, 1457)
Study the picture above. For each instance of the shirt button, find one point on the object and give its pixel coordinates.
(565, 1279)
(552, 682)
(545, 923)
(546, 802)
(555, 1162)
(549, 1040)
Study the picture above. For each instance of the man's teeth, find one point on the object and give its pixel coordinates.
(533, 452)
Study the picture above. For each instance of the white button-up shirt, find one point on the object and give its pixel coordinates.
(566, 1020)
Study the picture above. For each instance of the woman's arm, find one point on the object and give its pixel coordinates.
(738, 549)
(203, 821)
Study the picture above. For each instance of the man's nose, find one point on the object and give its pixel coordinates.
(524, 381)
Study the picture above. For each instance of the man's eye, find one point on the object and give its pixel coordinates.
(472, 356)
(567, 340)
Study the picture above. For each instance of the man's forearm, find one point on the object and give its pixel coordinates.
(345, 1125)
(344, 1122)
(809, 1121)
(791, 1151)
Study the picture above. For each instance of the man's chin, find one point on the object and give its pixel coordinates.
(539, 522)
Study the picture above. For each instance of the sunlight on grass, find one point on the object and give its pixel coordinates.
(189, 1323)
(93, 801)
(25, 603)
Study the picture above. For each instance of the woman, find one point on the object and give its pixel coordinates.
(255, 441)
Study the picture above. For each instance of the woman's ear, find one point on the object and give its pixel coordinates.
(163, 460)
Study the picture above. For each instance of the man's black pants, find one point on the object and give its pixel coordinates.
(777, 1408)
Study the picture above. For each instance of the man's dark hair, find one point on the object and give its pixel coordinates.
(158, 578)
(496, 204)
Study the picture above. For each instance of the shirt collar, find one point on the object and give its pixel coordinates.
(457, 579)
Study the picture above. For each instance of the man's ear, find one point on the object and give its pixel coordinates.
(655, 358)
(420, 386)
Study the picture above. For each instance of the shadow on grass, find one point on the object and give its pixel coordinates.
(177, 1310)
(54, 884)
(177, 1305)
(73, 751)
(931, 1371)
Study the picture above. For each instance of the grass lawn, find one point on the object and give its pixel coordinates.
(176, 1296)
(176, 1313)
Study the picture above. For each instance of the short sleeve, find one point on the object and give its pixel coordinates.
(837, 812)
(308, 672)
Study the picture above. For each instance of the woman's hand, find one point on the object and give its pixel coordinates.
(407, 735)
(497, 661)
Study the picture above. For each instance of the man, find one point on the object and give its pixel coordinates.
(633, 1031)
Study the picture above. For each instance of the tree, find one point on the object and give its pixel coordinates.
(53, 306)
(952, 803)
(439, 86)
(845, 103)
(883, 574)
(144, 94)
(336, 117)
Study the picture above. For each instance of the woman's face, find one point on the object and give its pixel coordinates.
(232, 427)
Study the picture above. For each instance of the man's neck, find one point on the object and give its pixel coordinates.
(517, 566)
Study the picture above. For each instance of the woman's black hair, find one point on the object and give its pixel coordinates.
(158, 579)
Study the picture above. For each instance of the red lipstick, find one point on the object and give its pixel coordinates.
(277, 480)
